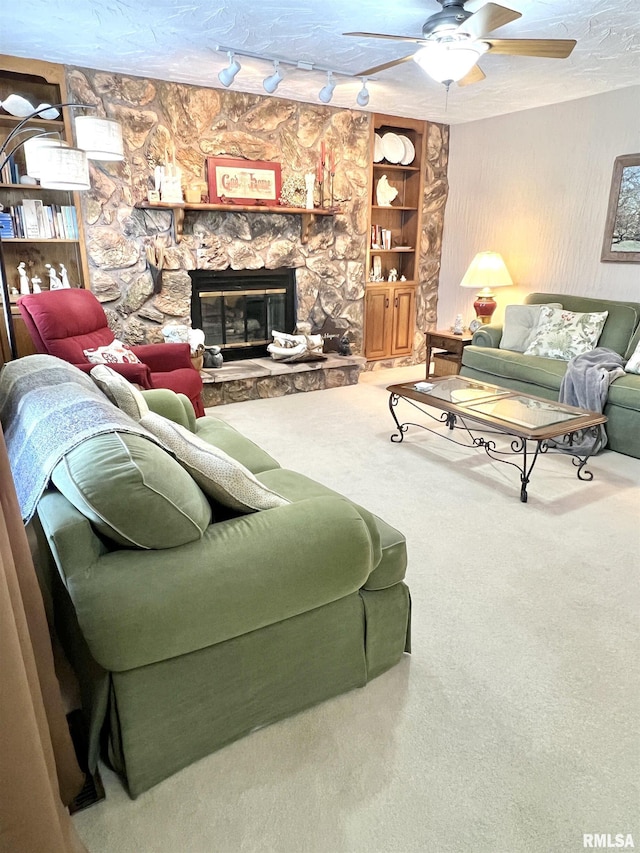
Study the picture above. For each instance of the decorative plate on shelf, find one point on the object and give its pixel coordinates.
(392, 147)
(409, 151)
(378, 152)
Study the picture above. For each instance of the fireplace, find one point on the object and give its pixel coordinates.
(238, 309)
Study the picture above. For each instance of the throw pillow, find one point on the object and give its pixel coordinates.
(218, 475)
(122, 394)
(633, 365)
(114, 353)
(564, 334)
(133, 491)
(520, 322)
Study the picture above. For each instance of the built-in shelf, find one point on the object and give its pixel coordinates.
(392, 167)
(38, 240)
(27, 187)
(178, 209)
(49, 123)
(375, 251)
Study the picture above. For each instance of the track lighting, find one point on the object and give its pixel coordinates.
(363, 95)
(226, 76)
(326, 93)
(271, 83)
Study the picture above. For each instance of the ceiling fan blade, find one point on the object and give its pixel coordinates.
(474, 76)
(549, 48)
(414, 39)
(371, 71)
(487, 19)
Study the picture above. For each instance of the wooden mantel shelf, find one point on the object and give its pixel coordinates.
(307, 216)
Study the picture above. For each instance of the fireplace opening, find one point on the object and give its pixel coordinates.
(238, 309)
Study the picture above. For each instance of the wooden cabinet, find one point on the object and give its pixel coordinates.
(394, 243)
(389, 320)
(61, 237)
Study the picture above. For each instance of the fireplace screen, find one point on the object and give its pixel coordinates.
(238, 309)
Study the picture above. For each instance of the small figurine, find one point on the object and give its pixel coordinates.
(385, 193)
(344, 347)
(458, 326)
(64, 278)
(35, 284)
(393, 274)
(54, 281)
(24, 279)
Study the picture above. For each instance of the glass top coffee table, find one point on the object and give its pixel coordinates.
(479, 409)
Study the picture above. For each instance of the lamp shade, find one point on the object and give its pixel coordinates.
(101, 138)
(487, 270)
(447, 62)
(32, 151)
(63, 168)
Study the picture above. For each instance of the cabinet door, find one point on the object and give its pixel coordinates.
(377, 322)
(403, 320)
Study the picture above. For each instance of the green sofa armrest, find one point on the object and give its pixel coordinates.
(175, 407)
(138, 607)
(487, 336)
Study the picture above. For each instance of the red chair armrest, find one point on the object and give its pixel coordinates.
(164, 357)
(137, 374)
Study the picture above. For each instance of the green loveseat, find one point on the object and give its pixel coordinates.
(485, 361)
(181, 650)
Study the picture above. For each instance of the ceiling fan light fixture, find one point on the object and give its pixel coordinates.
(363, 95)
(449, 62)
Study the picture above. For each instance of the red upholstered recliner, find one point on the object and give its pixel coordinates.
(66, 322)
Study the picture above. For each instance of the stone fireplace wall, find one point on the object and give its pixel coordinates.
(161, 118)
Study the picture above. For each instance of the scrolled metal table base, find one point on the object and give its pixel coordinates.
(519, 447)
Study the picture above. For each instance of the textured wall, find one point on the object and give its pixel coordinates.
(534, 186)
(157, 117)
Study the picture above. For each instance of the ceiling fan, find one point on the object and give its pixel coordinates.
(454, 39)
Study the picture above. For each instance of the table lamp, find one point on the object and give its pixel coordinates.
(486, 271)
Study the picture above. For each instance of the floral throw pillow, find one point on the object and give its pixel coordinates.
(115, 353)
(564, 334)
(633, 365)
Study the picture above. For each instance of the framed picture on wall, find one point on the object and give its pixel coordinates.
(240, 181)
(622, 231)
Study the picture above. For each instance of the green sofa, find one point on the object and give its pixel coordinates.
(181, 650)
(484, 360)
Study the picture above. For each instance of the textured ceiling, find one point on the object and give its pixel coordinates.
(177, 40)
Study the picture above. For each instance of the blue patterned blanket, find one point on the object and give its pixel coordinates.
(48, 407)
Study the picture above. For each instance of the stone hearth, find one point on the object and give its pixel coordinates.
(257, 378)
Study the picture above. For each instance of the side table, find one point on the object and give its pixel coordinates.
(449, 360)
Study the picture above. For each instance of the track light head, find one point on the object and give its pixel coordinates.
(326, 93)
(363, 95)
(227, 75)
(271, 83)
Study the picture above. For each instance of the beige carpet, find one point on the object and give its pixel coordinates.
(512, 727)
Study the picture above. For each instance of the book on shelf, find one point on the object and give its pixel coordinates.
(10, 173)
(380, 237)
(37, 221)
(32, 221)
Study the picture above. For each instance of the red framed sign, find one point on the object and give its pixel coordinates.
(241, 181)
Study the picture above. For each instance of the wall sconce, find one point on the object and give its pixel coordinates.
(487, 270)
(227, 75)
(326, 93)
(363, 95)
(270, 84)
